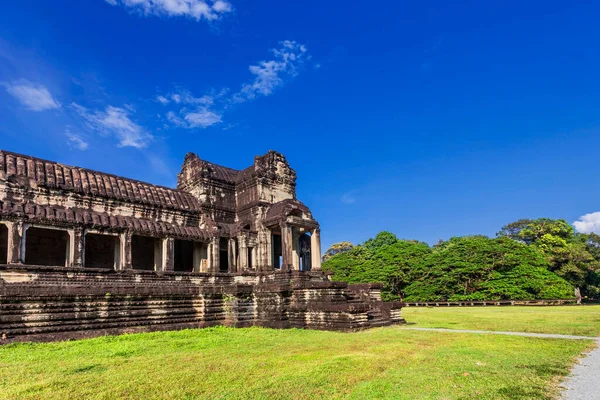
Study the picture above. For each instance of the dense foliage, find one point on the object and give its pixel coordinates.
(530, 259)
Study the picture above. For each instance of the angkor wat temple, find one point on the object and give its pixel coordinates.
(85, 253)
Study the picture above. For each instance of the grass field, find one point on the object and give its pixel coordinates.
(255, 363)
(566, 320)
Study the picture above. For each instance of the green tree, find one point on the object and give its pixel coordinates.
(480, 268)
(383, 238)
(529, 231)
(389, 264)
(574, 257)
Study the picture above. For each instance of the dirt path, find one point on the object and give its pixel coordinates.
(583, 383)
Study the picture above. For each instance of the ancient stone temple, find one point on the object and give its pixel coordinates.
(85, 253)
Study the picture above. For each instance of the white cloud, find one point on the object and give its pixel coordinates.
(588, 223)
(202, 118)
(209, 10)
(34, 97)
(115, 121)
(162, 100)
(172, 117)
(271, 74)
(76, 141)
(183, 96)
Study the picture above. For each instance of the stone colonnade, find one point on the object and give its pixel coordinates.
(243, 252)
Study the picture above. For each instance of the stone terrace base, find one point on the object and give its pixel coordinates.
(59, 303)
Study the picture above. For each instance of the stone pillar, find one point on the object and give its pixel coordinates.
(232, 256)
(159, 259)
(286, 246)
(201, 258)
(264, 250)
(168, 254)
(76, 247)
(315, 249)
(16, 243)
(295, 249)
(243, 257)
(215, 255)
(125, 243)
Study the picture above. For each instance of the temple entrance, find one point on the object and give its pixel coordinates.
(46, 247)
(3, 244)
(101, 251)
(146, 253)
(184, 256)
(305, 254)
(223, 255)
(277, 251)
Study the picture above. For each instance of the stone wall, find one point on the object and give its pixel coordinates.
(58, 303)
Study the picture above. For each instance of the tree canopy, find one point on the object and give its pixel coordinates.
(529, 259)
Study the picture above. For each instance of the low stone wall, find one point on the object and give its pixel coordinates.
(554, 302)
(58, 303)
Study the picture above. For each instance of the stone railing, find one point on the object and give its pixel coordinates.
(553, 302)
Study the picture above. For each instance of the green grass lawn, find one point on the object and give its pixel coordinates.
(567, 320)
(255, 363)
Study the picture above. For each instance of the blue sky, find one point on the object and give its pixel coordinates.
(429, 119)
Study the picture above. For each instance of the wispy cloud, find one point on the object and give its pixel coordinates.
(115, 121)
(270, 74)
(32, 96)
(75, 141)
(162, 100)
(202, 118)
(189, 111)
(348, 198)
(588, 223)
(210, 10)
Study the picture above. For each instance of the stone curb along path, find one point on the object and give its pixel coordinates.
(583, 383)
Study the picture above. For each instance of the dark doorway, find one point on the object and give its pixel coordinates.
(143, 251)
(101, 251)
(3, 244)
(277, 251)
(250, 263)
(184, 256)
(223, 255)
(46, 247)
(305, 256)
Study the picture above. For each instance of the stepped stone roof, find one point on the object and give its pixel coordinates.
(53, 175)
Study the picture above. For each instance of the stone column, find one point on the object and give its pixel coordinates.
(315, 249)
(76, 247)
(201, 257)
(159, 260)
(215, 255)
(232, 257)
(263, 261)
(125, 243)
(286, 246)
(168, 254)
(243, 257)
(295, 249)
(15, 243)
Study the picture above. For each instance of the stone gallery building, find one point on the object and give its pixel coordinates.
(84, 253)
